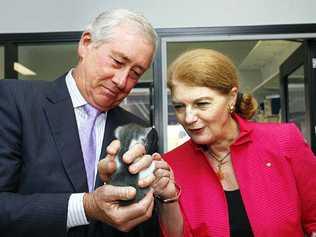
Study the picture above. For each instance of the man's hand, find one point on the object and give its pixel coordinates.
(107, 166)
(136, 158)
(102, 205)
(138, 162)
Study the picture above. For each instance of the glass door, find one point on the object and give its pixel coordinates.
(296, 100)
(298, 90)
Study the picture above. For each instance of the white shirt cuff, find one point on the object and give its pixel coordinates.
(76, 215)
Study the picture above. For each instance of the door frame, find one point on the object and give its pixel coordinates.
(304, 55)
(165, 35)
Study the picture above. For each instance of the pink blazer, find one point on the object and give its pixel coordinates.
(275, 170)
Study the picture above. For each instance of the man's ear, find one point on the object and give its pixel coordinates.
(84, 44)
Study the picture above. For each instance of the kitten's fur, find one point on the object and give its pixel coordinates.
(130, 135)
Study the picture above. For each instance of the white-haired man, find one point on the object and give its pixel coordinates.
(48, 186)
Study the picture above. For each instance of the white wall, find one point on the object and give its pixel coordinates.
(71, 15)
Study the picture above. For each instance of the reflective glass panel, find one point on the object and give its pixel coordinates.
(46, 61)
(296, 92)
(138, 103)
(257, 62)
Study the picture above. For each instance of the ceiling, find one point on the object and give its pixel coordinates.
(267, 51)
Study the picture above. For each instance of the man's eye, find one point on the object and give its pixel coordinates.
(117, 62)
(135, 75)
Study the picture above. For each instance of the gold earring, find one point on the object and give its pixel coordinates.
(231, 109)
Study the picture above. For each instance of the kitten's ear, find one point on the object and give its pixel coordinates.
(151, 140)
(147, 131)
(117, 132)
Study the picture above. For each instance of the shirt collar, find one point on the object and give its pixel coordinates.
(77, 99)
(245, 129)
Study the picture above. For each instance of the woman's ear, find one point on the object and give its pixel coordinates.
(233, 95)
(84, 43)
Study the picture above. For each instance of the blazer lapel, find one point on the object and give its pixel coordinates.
(108, 131)
(111, 123)
(62, 121)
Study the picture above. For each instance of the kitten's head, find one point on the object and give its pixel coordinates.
(132, 134)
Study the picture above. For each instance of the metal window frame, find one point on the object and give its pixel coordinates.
(231, 33)
(165, 35)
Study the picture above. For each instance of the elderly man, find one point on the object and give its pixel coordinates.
(53, 134)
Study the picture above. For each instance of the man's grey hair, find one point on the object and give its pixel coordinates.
(102, 27)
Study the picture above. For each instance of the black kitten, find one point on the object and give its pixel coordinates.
(130, 135)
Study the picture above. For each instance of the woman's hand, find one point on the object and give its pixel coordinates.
(164, 185)
(167, 192)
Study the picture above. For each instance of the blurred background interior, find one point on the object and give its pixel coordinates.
(273, 44)
(258, 62)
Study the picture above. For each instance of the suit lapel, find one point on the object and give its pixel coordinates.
(61, 118)
(109, 131)
(111, 124)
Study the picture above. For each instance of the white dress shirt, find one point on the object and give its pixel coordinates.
(76, 215)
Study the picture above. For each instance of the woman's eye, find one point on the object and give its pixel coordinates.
(178, 107)
(203, 104)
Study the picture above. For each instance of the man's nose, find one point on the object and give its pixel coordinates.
(120, 78)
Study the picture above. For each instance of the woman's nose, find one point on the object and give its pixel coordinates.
(190, 116)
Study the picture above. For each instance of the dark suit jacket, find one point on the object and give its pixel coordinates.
(41, 161)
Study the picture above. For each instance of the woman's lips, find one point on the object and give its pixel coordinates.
(196, 130)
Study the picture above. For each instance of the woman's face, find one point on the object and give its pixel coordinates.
(203, 112)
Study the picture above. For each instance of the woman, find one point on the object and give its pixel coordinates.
(238, 178)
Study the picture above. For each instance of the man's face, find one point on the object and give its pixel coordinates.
(107, 72)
